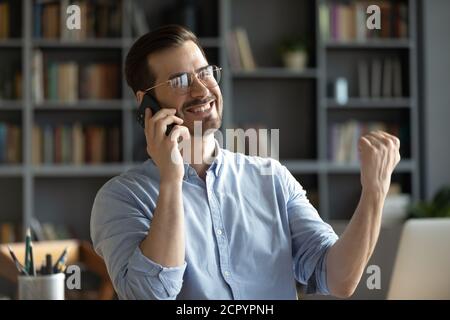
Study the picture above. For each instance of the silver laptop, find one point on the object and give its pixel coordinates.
(422, 266)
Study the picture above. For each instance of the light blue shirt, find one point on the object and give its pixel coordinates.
(248, 235)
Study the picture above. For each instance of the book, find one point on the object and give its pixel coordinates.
(344, 137)
(346, 16)
(38, 77)
(50, 20)
(37, 147)
(375, 84)
(387, 78)
(10, 143)
(2, 142)
(234, 57)
(68, 81)
(99, 19)
(363, 79)
(324, 21)
(99, 81)
(347, 20)
(247, 59)
(360, 17)
(10, 80)
(397, 78)
(52, 231)
(48, 144)
(76, 144)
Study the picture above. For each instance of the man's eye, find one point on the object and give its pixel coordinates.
(181, 81)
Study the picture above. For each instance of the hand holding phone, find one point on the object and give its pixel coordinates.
(159, 148)
(148, 101)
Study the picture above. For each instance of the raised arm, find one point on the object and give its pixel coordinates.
(347, 258)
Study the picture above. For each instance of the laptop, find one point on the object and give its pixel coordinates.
(422, 265)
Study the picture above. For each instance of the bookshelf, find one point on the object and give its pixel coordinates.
(299, 103)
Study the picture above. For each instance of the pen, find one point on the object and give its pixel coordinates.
(19, 266)
(48, 267)
(32, 270)
(27, 250)
(59, 265)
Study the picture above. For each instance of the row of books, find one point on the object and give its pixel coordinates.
(10, 143)
(47, 231)
(12, 232)
(344, 137)
(380, 78)
(239, 50)
(76, 144)
(98, 19)
(10, 21)
(10, 81)
(70, 81)
(342, 21)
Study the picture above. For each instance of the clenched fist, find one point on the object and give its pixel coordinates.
(379, 154)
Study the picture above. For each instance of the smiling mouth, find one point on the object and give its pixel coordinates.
(202, 108)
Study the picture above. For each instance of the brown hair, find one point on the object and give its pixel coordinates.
(138, 74)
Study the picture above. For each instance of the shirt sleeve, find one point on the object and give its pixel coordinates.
(311, 237)
(119, 223)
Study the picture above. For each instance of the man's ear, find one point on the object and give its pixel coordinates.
(139, 96)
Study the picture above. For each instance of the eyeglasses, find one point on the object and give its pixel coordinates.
(181, 83)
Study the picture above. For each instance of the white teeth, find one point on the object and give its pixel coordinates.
(201, 109)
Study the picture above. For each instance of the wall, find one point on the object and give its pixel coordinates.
(436, 84)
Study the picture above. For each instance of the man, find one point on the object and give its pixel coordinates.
(219, 229)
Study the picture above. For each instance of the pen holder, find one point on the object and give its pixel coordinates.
(42, 287)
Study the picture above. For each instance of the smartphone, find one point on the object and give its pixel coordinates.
(148, 101)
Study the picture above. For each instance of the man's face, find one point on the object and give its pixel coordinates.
(199, 103)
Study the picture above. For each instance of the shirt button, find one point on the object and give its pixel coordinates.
(219, 232)
(227, 274)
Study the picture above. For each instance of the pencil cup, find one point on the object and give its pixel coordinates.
(42, 287)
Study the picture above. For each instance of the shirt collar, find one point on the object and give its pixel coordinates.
(215, 165)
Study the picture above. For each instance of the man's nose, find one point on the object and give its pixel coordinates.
(198, 89)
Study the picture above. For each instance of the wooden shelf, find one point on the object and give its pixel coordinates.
(11, 43)
(68, 170)
(356, 103)
(370, 44)
(112, 43)
(302, 166)
(11, 170)
(116, 104)
(275, 73)
(403, 166)
(11, 105)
